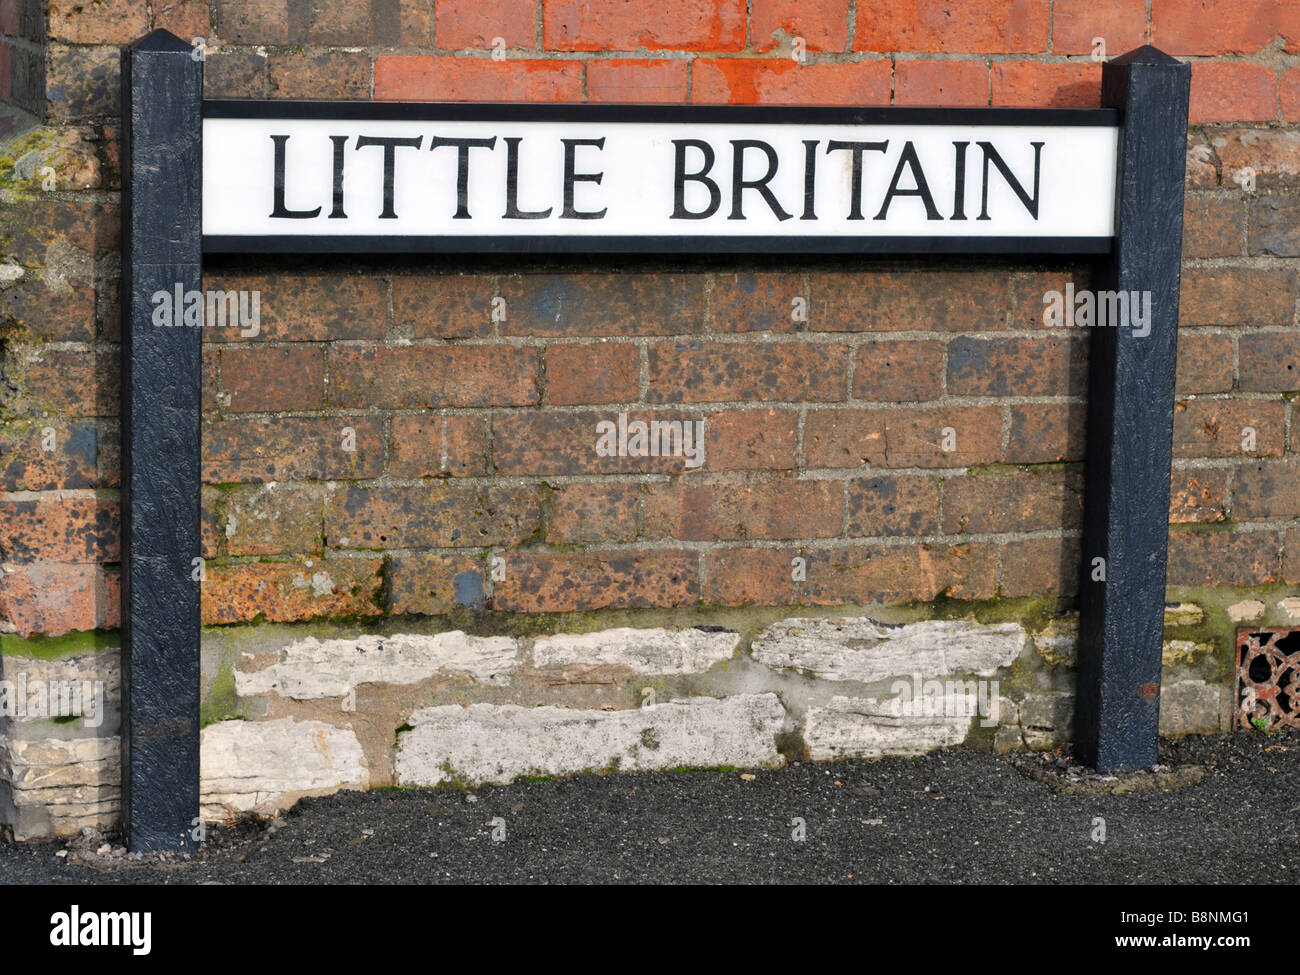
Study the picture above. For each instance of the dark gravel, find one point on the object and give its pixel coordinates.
(954, 816)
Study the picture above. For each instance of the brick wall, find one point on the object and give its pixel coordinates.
(397, 430)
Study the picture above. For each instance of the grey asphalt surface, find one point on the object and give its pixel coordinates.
(954, 816)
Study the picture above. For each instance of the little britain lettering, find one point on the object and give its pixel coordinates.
(305, 174)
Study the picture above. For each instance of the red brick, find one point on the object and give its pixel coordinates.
(1289, 91)
(433, 584)
(434, 515)
(633, 82)
(464, 446)
(291, 449)
(1269, 362)
(593, 514)
(1121, 24)
(603, 304)
(55, 529)
(1215, 427)
(1204, 362)
(430, 445)
(444, 306)
(409, 77)
(749, 302)
(263, 378)
(758, 439)
(704, 372)
(537, 444)
(1039, 567)
(1042, 433)
(53, 599)
(1223, 26)
(1198, 494)
(616, 25)
(433, 376)
(40, 228)
(1266, 491)
(187, 19)
(739, 81)
(71, 463)
(541, 582)
(1214, 227)
(72, 383)
(281, 592)
(903, 437)
(1237, 296)
(343, 75)
(266, 520)
(1229, 91)
(899, 371)
(1014, 502)
(954, 27)
(763, 510)
(210, 396)
(91, 22)
(822, 24)
(51, 307)
(910, 300)
(941, 83)
(1273, 153)
(9, 17)
(474, 24)
(1224, 558)
(592, 373)
(1033, 84)
(1017, 366)
(893, 505)
(209, 542)
(298, 307)
(1027, 289)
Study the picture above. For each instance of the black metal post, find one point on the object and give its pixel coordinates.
(162, 91)
(1130, 424)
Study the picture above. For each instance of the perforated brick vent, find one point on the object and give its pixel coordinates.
(1268, 677)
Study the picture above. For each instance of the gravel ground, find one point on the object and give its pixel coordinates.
(954, 816)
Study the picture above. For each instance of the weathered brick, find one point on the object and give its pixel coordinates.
(755, 302)
(410, 77)
(823, 25)
(704, 372)
(1269, 361)
(925, 300)
(1272, 229)
(72, 383)
(89, 22)
(436, 515)
(320, 74)
(1017, 366)
(1220, 428)
(1033, 84)
(1198, 494)
(273, 519)
(903, 437)
(209, 502)
(1237, 296)
(1272, 154)
(53, 598)
(633, 82)
(769, 81)
(474, 24)
(50, 307)
(210, 395)
(1042, 433)
(431, 584)
(55, 529)
(236, 73)
(430, 445)
(433, 376)
(533, 443)
(1029, 293)
(258, 22)
(281, 592)
(1224, 558)
(1214, 227)
(1266, 490)
(464, 446)
(593, 514)
(541, 582)
(1223, 26)
(1289, 94)
(614, 25)
(40, 229)
(82, 82)
(893, 505)
(187, 19)
(899, 371)
(952, 27)
(1204, 362)
(1122, 24)
(757, 439)
(764, 510)
(562, 305)
(266, 379)
(292, 449)
(1232, 91)
(946, 83)
(297, 307)
(71, 462)
(592, 372)
(1039, 567)
(444, 306)
(1015, 502)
